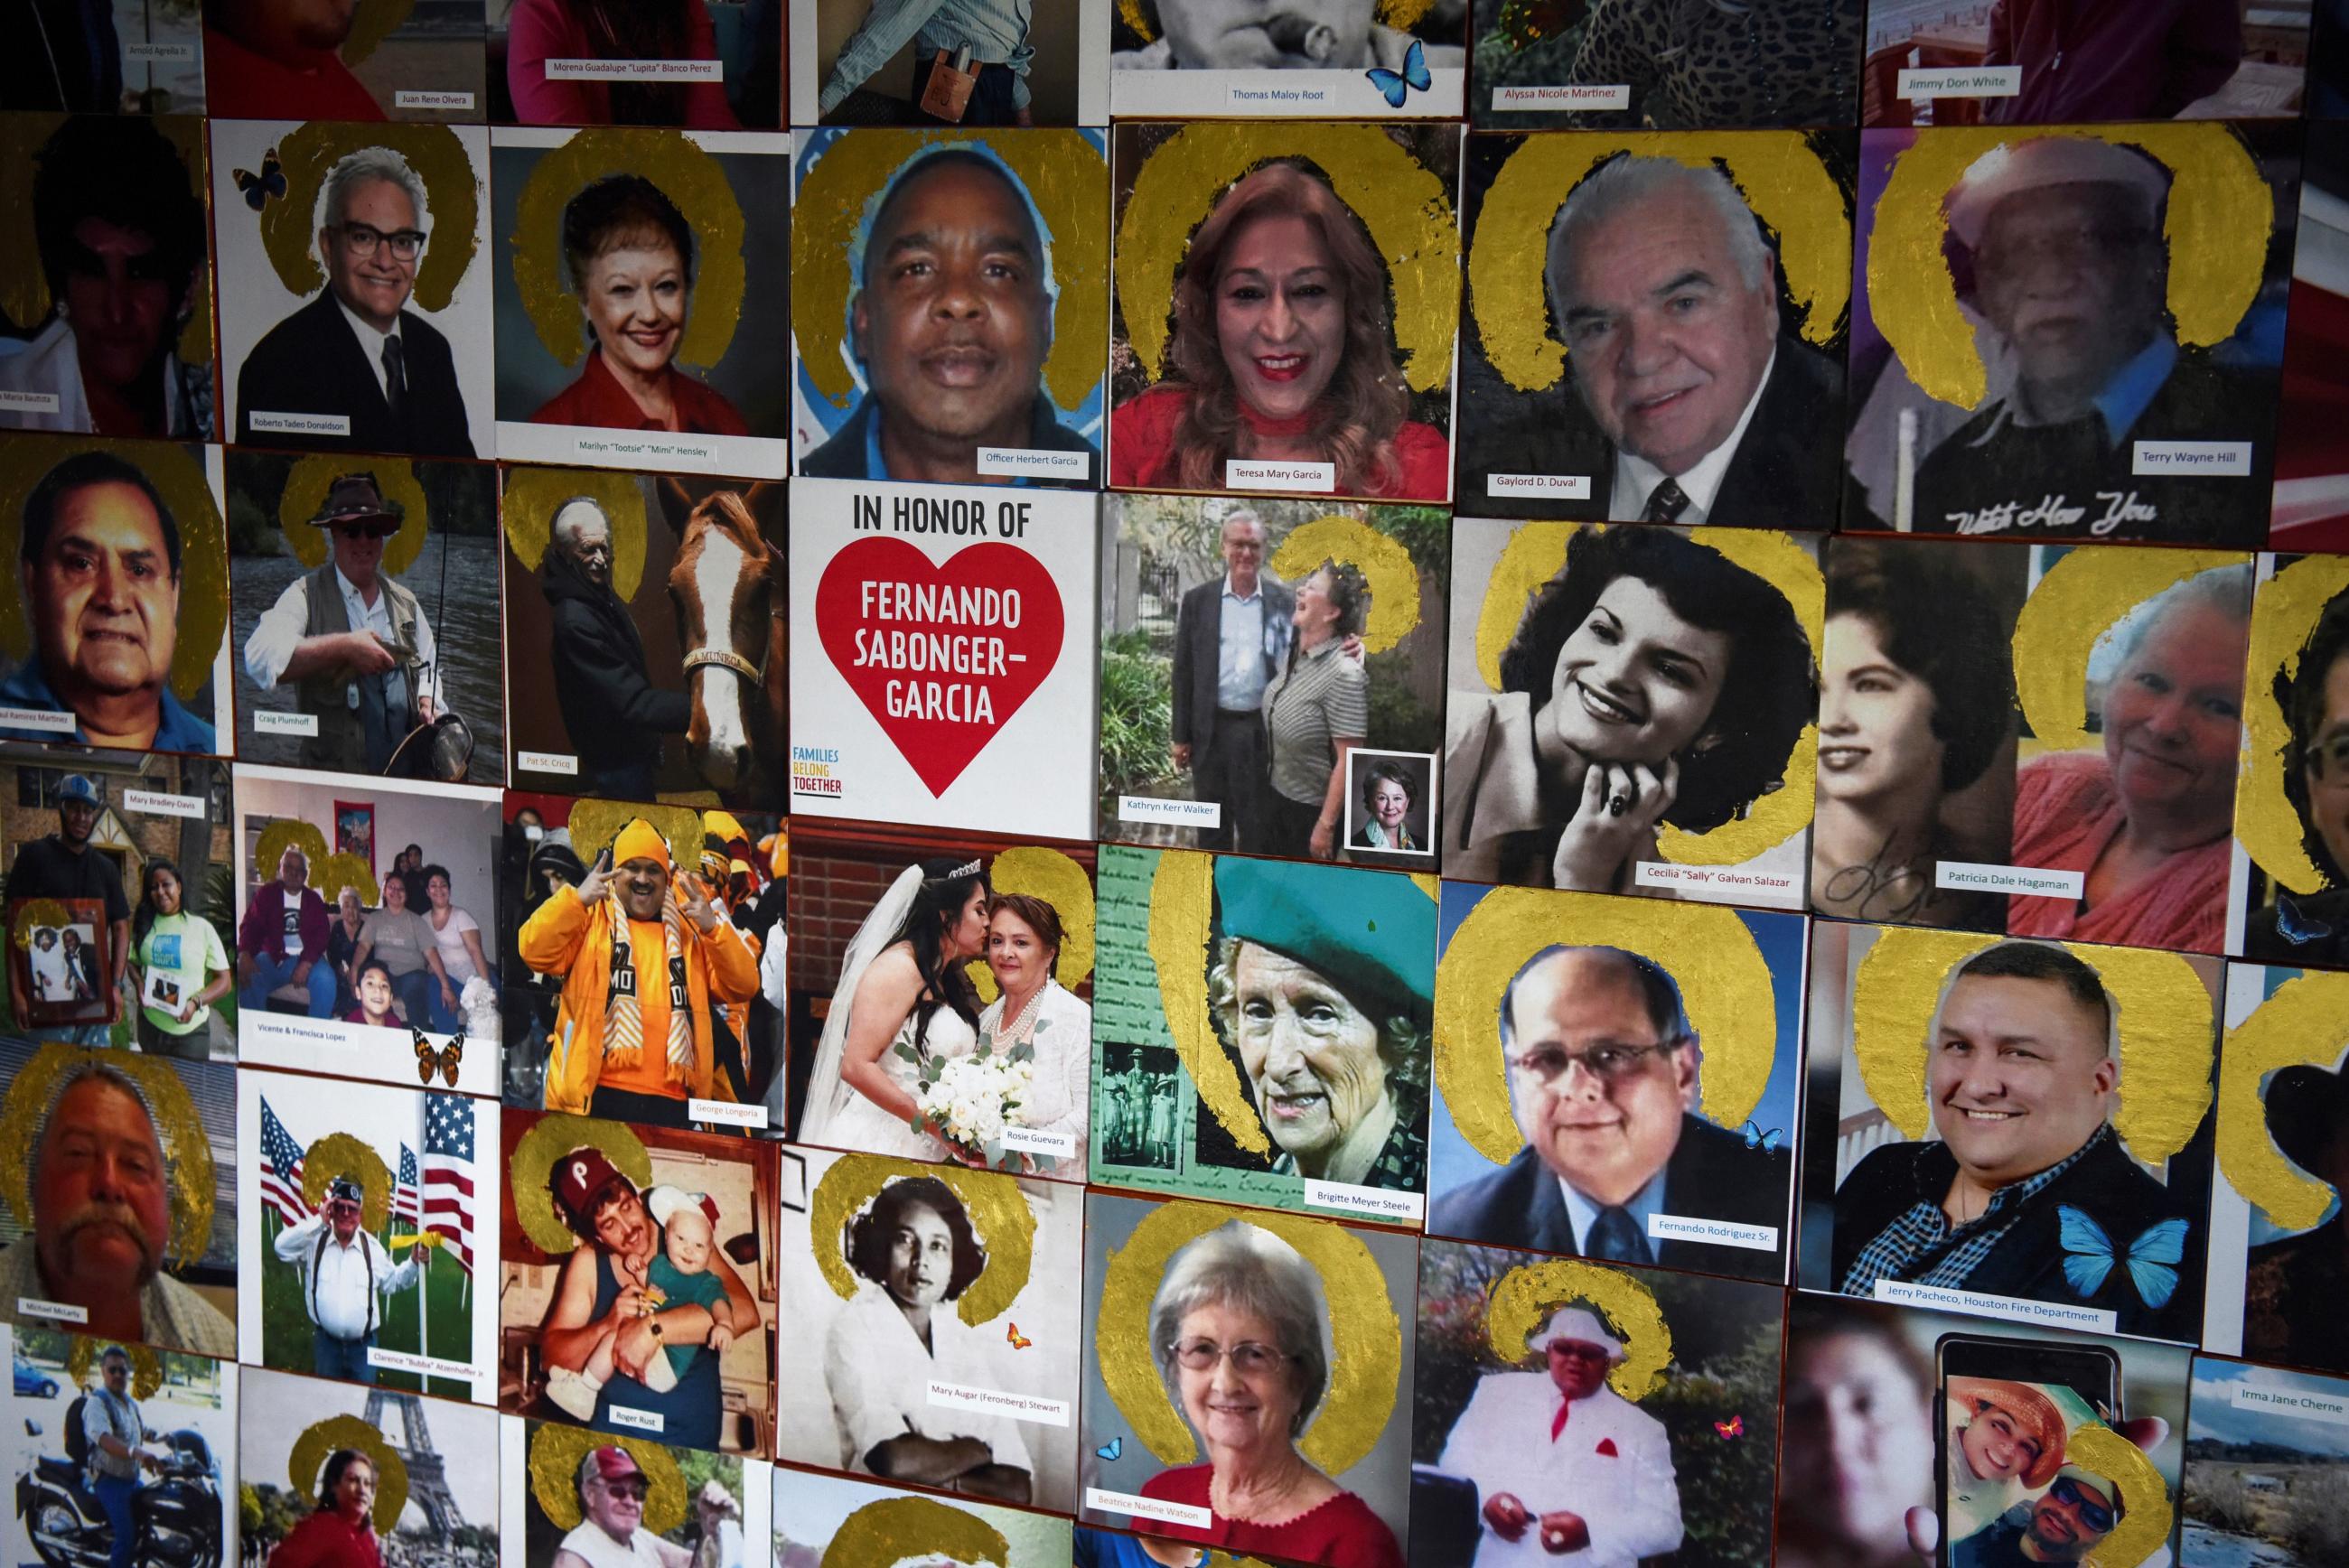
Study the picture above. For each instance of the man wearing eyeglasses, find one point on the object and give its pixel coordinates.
(354, 642)
(1602, 1071)
(2077, 1513)
(2313, 927)
(113, 1429)
(611, 1531)
(355, 370)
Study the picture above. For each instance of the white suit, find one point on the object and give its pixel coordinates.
(1611, 1464)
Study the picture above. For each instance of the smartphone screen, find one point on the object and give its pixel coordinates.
(2004, 1411)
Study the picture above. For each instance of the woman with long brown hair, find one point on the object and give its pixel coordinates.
(540, 31)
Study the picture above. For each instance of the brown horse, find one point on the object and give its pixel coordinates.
(726, 589)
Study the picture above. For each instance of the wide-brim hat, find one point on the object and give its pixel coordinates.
(354, 498)
(2307, 1107)
(2015, 167)
(1370, 934)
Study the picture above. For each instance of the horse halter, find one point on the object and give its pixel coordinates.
(727, 659)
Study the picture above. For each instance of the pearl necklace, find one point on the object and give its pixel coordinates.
(1027, 1016)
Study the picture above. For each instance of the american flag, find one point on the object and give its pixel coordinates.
(281, 1170)
(403, 1195)
(448, 1190)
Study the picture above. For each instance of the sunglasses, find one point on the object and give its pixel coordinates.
(2094, 1511)
(368, 530)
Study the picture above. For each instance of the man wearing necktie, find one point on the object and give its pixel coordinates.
(1568, 1471)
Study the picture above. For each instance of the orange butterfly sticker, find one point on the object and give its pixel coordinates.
(1018, 1340)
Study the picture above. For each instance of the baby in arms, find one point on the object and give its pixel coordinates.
(678, 1274)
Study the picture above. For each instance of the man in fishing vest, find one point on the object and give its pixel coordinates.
(344, 1271)
(355, 643)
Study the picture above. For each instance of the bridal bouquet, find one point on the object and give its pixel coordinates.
(968, 1100)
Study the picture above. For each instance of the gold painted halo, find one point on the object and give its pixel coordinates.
(33, 913)
(2284, 613)
(1066, 177)
(345, 870)
(2082, 596)
(2161, 1008)
(305, 491)
(179, 478)
(594, 823)
(1059, 882)
(1730, 997)
(306, 1466)
(2220, 219)
(1778, 173)
(1182, 923)
(376, 21)
(1366, 1358)
(1524, 1298)
(342, 1154)
(1384, 563)
(187, 1153)
(146, 1366)
(2304, 1023)
(997, 1209)
(896, 1527)
(552, 1137)
(556, 1453)
(285, 833)
(453, 195)
(532, 497)
(1405, 205)
(1401, 15)
(2146, 1511)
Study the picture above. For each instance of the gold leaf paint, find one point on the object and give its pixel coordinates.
(288, 833)
(594, 823)
(187, 1153)
(1778, 173)
(888, 1532)
(306, 1464)
(1047, 875)
(33, 915)
(2080, 598)
(2161, 1010)
(2284, 613)
(2221, 216)
(453, 197)
(692, 177)
(1065, 177)
(1535, 553)
(1401, 15)
(2147, 1513)
(1524, 1298)
(146, 1366)
(342, 1154)
(532, 497)
(556, 1452)
(1366, 1356)
(344, 870)
(998, 1207)
(1405, 205)
(1387, 567)
(554, 1137)
(181, 479)
(1182, 906)
(305, 491)
(2304, 1022)
(1724, 985)
(374, 21)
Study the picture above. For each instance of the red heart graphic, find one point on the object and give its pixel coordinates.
(942, 655)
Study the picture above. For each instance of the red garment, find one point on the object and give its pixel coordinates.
(2110, 59)
(2065, 812)
(1142, 446)
(598, 399)
(1339, 1533)
(264, 928)
(244, 83)
(543, 30)
(325, 1541)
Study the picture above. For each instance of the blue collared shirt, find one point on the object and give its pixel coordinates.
(177, 730)
(1240, 652)
(877, 467)
(1584, 1211)
(995, 30)
(2133, 387)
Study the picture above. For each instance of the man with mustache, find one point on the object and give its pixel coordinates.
(61, 865)
(345, 1274)
(611, 710)
(611, 1531)
(2078, 1510)
(952, 322)
(2022, 1077)
(282, 60)
(281, 941)
(101, 1188)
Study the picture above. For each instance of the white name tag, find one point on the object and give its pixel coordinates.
(726, 1111)
(51, 1311)
(1284, 99)
(1033, 1407)
(635, 71)
(1712, 879)
(267, 722)
(427, 1367)
(1048, 1145)
(546, 762)
(1253, 473)
(1716, 1232)
(635, 1421)
(2052, 1314)
(1370, 1202)
(1564, 95)
(300, 424)
(1035, 463)
(160, 804)
(1553, 487)
(1969, 876)
(2308, 1407)
(1134, 1506)
(160, 54)
(2220, 460)
(39, 719)
(419, 98)
(1178, 813)
(29, 402)
(1960, 81)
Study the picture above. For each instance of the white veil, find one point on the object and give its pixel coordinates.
(827, 1094)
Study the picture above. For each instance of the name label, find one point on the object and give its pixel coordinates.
(429, 97)
(1281, 98)
(1370, 1202)
(546, 762)
(1717, 1232)
(1033, 1140)
(1134, 1506)
(726, 1111)
(635, 71)
(160, 804)
(301, 424)
(1256, 473)
(425, 1366)
(1564, 95)
(40, 718)
(2326, 1408)
(635, 1421)
(1177, 813)
(2049, 1313)
(1035, 463)
(1960, 81)
(1969, 876)
(267, 722)
(29, 402)
(51, 1311)
(1553, 487)
(1715, 879)
(160, 54)
(1032, 1408)
(2220, 459)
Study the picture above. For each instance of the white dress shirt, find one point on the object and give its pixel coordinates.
(283, 625)
(348, 1274)
(1611, 1464)
(1636, 478)
(371, 341)
(879, 1375)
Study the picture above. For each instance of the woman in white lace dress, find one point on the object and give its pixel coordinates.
(1023, 949)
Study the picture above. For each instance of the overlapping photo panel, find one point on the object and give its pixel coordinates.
(1574, 1406)
(1322, 742)
(2034, 355)
(147, 62)
(109, 322)
(113, 854)
(659, 601)
(569, 1494)
(1262, 1032)
(368, 928)
(709, 65)
(2311, 507)
(1617, 1083)
(1227, 1338)
(2292, 803)
(120, 1219)
(1596, 63)
(1656, 332)
(2015, 1128)
(859, 64)
(940, 1339)
(638, 1287)
(943, 656)
(827, 1519)
(1357, 59)
(344, 62)
(2262, 1447)
(1286, 305)
(640, 295)
(143, 665)
(1632, 709)
(352, 654)
(942, 990)
(951, 289)
(354, 294)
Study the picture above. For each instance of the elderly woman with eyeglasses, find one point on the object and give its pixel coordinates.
(1240, 1331)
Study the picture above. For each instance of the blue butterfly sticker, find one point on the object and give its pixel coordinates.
(1765, 1141)
(1413, 78)
(271, 181)
(2153, 1257)
(1110, 1449)
(2297, 928)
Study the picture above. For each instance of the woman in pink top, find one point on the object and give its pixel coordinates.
(543, 30)
(2148, 822)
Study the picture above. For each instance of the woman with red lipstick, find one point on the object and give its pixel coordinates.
(629, 252)
(1282, 349)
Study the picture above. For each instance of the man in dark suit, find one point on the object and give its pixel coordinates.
(1602, 1069)
(357, 354)
(1231, 635)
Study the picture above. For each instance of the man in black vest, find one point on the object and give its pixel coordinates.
(612, 711)
(345, 1272)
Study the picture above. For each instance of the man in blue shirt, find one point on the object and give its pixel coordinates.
(1230, 635)
(994, 31)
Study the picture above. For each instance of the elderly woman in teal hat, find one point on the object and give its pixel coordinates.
(1323, 981)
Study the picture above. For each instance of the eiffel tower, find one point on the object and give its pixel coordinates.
(427, 1485)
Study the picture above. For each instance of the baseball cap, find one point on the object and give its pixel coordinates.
(578, 1177)
(77, 787)
(611, 1463)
